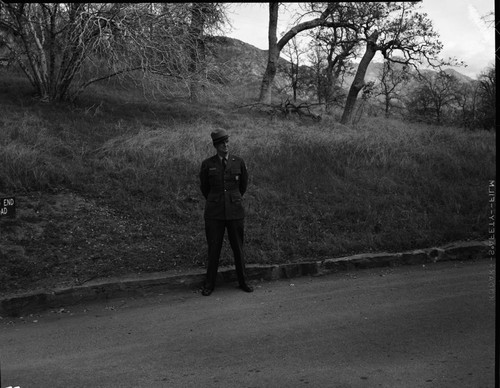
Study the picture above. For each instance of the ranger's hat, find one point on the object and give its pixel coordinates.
(219, 135)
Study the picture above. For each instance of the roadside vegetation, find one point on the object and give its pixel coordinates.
(108, 185)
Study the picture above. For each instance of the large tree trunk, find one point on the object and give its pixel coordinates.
(198, 12)
(333, 71)
(330, 83)
(359, 78)
(275, 46)
(273, 55)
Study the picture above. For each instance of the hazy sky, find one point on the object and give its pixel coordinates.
(463, 34)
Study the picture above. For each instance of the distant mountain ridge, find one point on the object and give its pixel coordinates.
(246, 63)
(241, 61)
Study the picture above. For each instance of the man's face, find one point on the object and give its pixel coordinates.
(222, 147)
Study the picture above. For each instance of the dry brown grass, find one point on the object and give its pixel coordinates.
(317, 190)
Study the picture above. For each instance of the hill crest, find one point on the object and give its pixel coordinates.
(247, 63)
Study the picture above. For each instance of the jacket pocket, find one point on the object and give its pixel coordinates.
(236, 198)
(235, 174)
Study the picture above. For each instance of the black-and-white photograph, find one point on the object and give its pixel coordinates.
(248, 195)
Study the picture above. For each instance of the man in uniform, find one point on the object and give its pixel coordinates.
(223, 181)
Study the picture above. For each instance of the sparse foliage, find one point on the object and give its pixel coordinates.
(337, 47)
(324, 16)
(434, 93)
(400, 33)
(392, 77)
(487, 107)
(65, 47)
(466, 99)
(294, 54)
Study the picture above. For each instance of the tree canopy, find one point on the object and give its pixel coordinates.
(395, 29)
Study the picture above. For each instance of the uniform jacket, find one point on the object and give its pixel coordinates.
(223, 190)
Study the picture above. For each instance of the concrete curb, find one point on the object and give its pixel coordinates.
(141, 285)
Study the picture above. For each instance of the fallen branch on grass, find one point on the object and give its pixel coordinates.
(285, 108)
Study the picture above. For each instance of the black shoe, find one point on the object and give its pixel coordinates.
(206, 291)
(246, 288)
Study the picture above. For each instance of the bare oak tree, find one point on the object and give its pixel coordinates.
(487, 93)
(316, 59)
(294, 52)
(434, 93)
(476, 101)
(400, 33)
(395, 29)
(339, 47)
(204, 16)
(324, 13)
(392, 77)
(63, 48)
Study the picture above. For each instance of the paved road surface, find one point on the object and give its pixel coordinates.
(411, 326)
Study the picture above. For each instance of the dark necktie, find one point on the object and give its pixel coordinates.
(224, 163)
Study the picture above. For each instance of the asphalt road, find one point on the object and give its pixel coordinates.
(411, 326)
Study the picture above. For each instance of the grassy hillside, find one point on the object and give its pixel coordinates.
(109, 185)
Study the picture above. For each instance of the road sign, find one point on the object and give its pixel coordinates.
(8, 207)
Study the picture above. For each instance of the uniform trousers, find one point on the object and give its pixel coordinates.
(214, 230)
